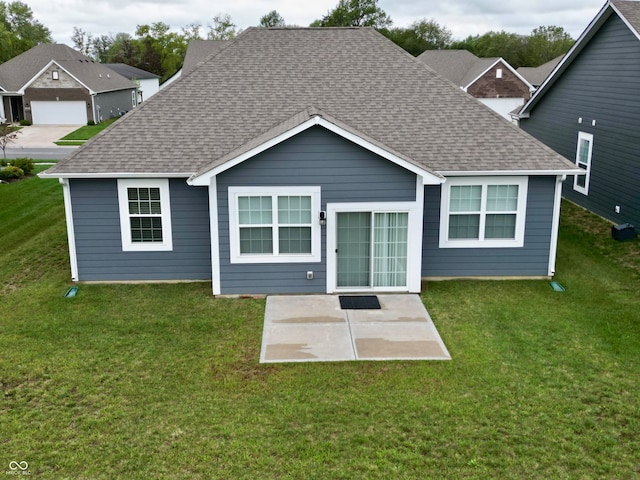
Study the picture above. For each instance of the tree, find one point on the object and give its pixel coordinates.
(161, 51)
(100, 47)
(7, 135)
(272, 19)
(546, 43)
(82, 41)
(19, 31)
(355, 13)
(509, 46)
(222, 28)
(420, 36)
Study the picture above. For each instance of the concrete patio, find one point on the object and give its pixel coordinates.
(313, 328)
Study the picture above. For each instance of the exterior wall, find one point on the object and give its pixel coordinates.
(600, 85)
(530, 260)
(55, 94)
(99, 245)
(113, 104)
(149, 87)
(509, 86)
(503, 106)
(344, 171)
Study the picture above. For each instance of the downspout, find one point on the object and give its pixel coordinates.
(73, 259)
(555, 225)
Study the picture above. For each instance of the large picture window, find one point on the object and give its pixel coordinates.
(483, 212)
(274, 224)
(145, 217)
(584, 151)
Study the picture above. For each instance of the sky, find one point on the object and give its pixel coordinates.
(461, 17)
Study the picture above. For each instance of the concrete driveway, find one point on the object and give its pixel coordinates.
(313, 328)
(41, 136)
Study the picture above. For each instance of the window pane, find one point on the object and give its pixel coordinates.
(502, 198)
(500, 226)
(154, 194)
(256, 240)
(146, 229)
(465, 198)
(294, 210)
(132, 193)
(464, 226)
(583, 155)
(144, 201)
(581, 181)
(294, 239)
(254, 210)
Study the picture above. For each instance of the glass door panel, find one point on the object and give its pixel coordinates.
(353, 253)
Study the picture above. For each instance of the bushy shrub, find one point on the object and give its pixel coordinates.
(11, 172)
(25, 122)
(25, 164)
(91, 122)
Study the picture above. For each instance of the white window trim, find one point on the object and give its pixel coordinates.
(517, 241)
(165, 207)
(234, 227)
(414, 242)
(589, 137)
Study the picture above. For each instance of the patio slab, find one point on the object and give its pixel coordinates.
(308, 328)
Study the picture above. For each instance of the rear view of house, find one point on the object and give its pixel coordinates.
(300, 163)
(588, 110)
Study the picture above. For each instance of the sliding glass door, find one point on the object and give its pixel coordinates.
(371, 249)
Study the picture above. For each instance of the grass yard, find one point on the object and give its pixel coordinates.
(163, 381)
(81, 135)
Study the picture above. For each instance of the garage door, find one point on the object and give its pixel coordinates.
(59, 113)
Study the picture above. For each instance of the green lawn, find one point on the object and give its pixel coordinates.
(79, 136)
(163, 381)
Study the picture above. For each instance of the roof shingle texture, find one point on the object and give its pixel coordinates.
(537, 75)
(199, 50)
(266, 77)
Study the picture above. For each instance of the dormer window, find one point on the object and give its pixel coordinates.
(55, 75)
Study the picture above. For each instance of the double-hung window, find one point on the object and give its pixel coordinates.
(145, 215)
(583, 161)
(274, 224)
(483, 212)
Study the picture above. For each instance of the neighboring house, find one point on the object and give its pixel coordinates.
(537, 75)
(197, 51)
(148, 83)
(54, 84)
(298, 162)
(588, 110)
(491, 80)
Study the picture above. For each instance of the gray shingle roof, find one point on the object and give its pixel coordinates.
(630, 10)
(132, 73)
(537, 75)
(199, 50)
(15, 73)
(451, 64)
(266, 77)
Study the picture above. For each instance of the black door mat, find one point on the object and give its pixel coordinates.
(359, 302)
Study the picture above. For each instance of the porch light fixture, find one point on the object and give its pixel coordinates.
(323, 218)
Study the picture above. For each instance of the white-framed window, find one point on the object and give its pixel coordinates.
(55, 75)
(145, 214)
(483, 212)
(584, 151)
(499, 73)
(274, 224)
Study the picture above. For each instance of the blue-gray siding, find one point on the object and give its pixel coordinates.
(601, 84)
(530, 260)
(99, 245)
(344, 171)
(113, 104)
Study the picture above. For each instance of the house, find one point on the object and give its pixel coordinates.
(491, 80)
(298, 162)
(197, 51)
(54, 84)
(148, 83)
(537, 75)
(588, 111)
